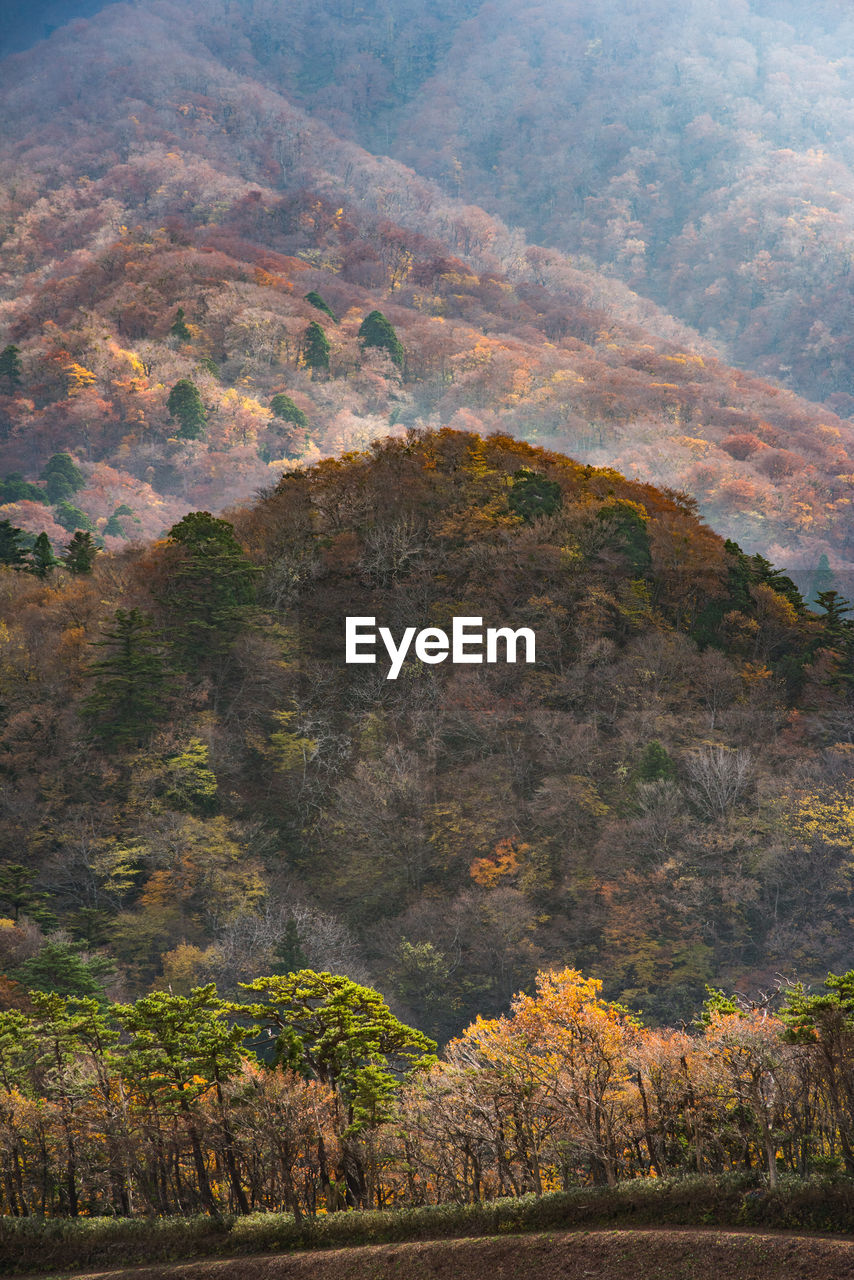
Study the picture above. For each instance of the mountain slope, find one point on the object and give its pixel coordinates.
(700, 152)
(663, 797)
(143, 175)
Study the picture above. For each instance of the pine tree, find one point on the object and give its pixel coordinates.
(210, 587)
(532, 495)
(836, 626)
(42, 559)
(16, 489)
(185, 405)
(180, 1050)
(321, 305)
(131, 681)
(283, 407)
(315, 348)
(821, 579)
(115, 526)
(10, 366)
(80, 553)
(72, 518)
(63, 477)
(376, 331)
(20, 897)
(12, 551)
(179, 329)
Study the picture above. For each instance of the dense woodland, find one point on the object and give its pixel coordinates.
(203, 788)
(255, 379)
(308, 1097)
(699, 151)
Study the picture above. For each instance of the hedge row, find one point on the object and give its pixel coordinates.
(37, 1244)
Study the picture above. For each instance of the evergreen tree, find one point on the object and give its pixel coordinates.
(315, 348)
(628, 522)
(836, 627)
(80, 553)
(72, 518)
(181, 1050)
(115, 527)
(16, 489)
(63, 477)
(532, 495)
(12, 545)
(179, 329)
(345, 1035)
(210, 587)
(19, 897)
(318, 302)
(290, 957)
(819, 579)
(64, 968)
(764, 571)
(283, 407)
(655, 763)
(131, 681)
(42, 559)
(10, 367)
(185, 405)
(376, 331)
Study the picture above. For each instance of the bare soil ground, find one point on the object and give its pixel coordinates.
(653, 1254)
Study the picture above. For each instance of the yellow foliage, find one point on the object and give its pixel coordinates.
(828, 818)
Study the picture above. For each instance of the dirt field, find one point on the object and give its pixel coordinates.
(595, 1255)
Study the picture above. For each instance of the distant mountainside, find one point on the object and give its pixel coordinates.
(167, 214)
(700, 151)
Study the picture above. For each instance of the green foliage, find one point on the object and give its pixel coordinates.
(717, 1003)
(764, 571)
(315, 348)
(283, 407)
(288, 748)
(65, 968)
(10, 367)
(179, 1045)
(289, 953)
(18, 895)
(42, 559)
(72, 518)
(209, 588)
(340, 1032)
(16, 489)
(186, 407)
(12, 545)
(376, 331)
(835, 626)
(63, 478)
(627, 524)
(318, 302)
(79, 556)
(131, 681)
(824, 1016)
(532, 495)
(655, 763)
(116, 526)
(179, 329)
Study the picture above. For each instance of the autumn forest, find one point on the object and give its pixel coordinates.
(418, 313)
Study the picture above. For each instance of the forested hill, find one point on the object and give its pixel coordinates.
(178, 208)
(203, 788)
